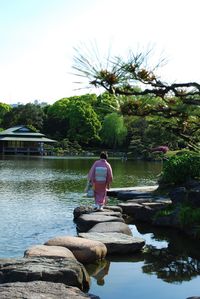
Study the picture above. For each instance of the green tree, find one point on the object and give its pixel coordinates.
(4, 108)
(113, 130)
(84, 125)
(28, 114)
(106, 103)
(59, 123)
(56, 122)
(59, 109)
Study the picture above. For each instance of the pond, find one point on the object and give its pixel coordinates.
(37, 199)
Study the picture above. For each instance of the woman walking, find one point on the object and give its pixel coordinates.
(100, 175)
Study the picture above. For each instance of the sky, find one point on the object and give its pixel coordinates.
(38, 37)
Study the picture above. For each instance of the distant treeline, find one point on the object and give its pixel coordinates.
(119, 123)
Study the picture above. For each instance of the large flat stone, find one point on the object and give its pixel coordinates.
(87, 221)
(67, 271)
(41, 290)
(48, 251)
(78, 211)
(85, 251)
(130, 208)
(114, 227)
(133, 194)
(116, 243)
(113, 208)
(114, 191)
(106, 212)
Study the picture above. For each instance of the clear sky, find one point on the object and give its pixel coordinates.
(37, 40)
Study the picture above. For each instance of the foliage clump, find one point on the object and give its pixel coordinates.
(189, 216)
(180, 168)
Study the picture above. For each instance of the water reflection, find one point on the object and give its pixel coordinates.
(170, 266)
(99, 270)
(177, 262)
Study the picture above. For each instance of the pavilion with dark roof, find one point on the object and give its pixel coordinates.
(23, 140)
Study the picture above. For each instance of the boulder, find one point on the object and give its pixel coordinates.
(196, 297)
(178, 195)
(138, 212)
(191, 183)
(130, 208)
(111, 227)
(85, 251)
(143, 212)
(87, 221)
(67, 271)
(171, 220)
(41, 290)
(78, 211)
(116, 243)
(49, 251)
(194, 197)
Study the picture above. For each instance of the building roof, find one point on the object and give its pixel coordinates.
(20, 130)
(23, 133)
(42, 139)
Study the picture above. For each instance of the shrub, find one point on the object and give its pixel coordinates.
(179, 168)
(189, 216)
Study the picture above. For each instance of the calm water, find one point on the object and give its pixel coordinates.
(37, 199)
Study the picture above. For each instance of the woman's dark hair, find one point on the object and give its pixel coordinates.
(104, 155)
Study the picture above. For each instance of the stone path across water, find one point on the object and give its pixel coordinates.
(102, 227)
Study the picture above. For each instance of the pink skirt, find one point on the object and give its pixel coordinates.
(100, 193)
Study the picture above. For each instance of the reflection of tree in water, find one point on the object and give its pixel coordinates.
(99, 270)
(180, 261)
(170, 267)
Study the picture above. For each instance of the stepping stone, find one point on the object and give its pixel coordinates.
(116, 243)
(67, 271)
(41, 290)
(85, 251)
(154, 205)
(142, 212)
(113, 208)
(106, 212)
(133, 194)
(49, 251)
(78, 211)
(130, 208)
(145, 189)
(117, 227)
(87, 221)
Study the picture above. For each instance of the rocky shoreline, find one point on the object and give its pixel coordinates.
(57, 268)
